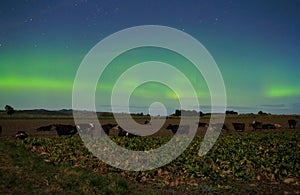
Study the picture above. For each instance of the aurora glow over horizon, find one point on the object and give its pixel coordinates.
(255, 44)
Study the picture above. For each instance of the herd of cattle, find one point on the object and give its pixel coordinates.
(69, 130)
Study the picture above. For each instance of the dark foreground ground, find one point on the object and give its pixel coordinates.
(24, 172)
(31, 167)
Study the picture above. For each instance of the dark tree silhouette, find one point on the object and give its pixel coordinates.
(261, 113)
(9, 109)
(231, 112)
(177, 112)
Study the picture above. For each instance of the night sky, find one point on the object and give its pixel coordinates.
(256, 45)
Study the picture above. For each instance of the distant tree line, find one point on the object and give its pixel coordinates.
(231, 112)
(263, 113)
(193, 113)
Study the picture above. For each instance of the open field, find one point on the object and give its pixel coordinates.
(29, 123)
(260, 162)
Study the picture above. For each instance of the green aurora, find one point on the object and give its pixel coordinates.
(43, 44)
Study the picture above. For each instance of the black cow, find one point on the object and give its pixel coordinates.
(106, 128)
(123, 133)
(256, 125)
(224, 127)
(268, 126)
(200, 124)
(239, 126)
(87, 128)
(183, 129)
(65, 130)
(292, 123)
(218, 127)
(147, 122)
(21, 135)
(0, 130)
(45, 128)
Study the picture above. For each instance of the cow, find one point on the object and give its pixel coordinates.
(0, 130)
(45, 128)
(277, 126)
(21, 135)
(147, 122)
(65, 130)
(218, 127)
(256, 125)
(224, 127)
(268, 126)
(106, 128)
(200, 124)
(123, 133)
(292, 123)
(183, 129)
(85, 128)
(239, 126)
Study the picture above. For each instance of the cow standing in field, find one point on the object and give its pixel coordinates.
(147, 122)
(277, 126)
(123, 133)
(85, 128)
(239, 126)
(21, 135)
(0, 130)
(256, 125)
(183, 129)
(65, 130)
(292, 123)
(224, 127)
(200, 124)
(106, 128)
(218, 127)
(268, 126)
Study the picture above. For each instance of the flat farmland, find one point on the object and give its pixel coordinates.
(247, 162)
(29, 123)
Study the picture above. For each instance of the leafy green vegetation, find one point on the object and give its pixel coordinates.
(240, 163)
(23, 172)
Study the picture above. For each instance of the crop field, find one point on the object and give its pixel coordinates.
(249, 162)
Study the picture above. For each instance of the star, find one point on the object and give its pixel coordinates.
(28, 20)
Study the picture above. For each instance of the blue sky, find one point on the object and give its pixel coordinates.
(255, 44)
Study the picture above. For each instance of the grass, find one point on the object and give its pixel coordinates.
(23, 172)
